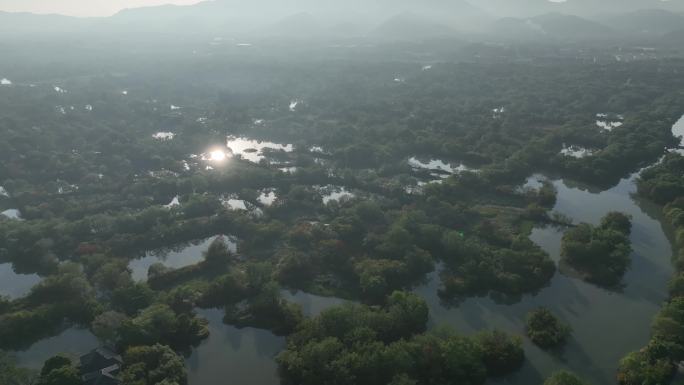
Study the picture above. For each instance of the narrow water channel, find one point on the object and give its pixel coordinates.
(606, 324)
(178, 256)
(236, 356)
(73, 342)
(13, 284)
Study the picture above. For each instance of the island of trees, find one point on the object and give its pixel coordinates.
(601, 254)
(545, 329)
(356, 344)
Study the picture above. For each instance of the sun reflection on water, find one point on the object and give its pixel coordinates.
(217, 155)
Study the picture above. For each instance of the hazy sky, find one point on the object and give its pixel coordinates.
(496, 7)
(81, 7)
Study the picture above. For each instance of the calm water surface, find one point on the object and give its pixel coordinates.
(73, 342)
(606, 324)
(15, 285)
(177, 257)
(312, 305)
(234, 356)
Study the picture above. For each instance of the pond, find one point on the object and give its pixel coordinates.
(293, 104)
(245, 356)
(174, 202)
(253, 150)
(317, 150)
(14, 285)
(608, 122)
(163, 135)
(232, 203)
(334, 193)
(177, 257)
(678, 131)
(312, 305)
(267, 197)
(601, 336)
(288, 170)
(576, 151)
(437, 165)
(73, 341)
(608, 125)
(11, 214)
(535, 182)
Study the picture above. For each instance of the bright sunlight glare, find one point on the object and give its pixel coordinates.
(217, 155)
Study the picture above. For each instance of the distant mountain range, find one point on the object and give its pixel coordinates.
(554, 26)
(649, 22)
(584, 8)
(386, 19)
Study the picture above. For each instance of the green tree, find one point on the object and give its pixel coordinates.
(152, 365)
(501, 353)
(642, 368)
(600, 253)
(218, 255)
(617, 221)
(564, 378)
(11, 374)
(59, 370)
(545, 329)
(132, 298)
(107, 325)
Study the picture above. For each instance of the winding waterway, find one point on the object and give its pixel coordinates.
(73, 341)
(177, 257)
(232, 355)
(13, 284)
(606, 324)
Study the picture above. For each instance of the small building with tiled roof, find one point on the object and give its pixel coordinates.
(101, 367)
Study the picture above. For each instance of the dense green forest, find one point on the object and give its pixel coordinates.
(96, 187)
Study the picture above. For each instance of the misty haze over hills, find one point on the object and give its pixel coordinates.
(342, 192)
(383, 19)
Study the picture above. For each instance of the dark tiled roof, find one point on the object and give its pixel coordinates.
(100, 367)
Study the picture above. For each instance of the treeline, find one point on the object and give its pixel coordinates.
(142, 365)
(657, 362)
(357, 344)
